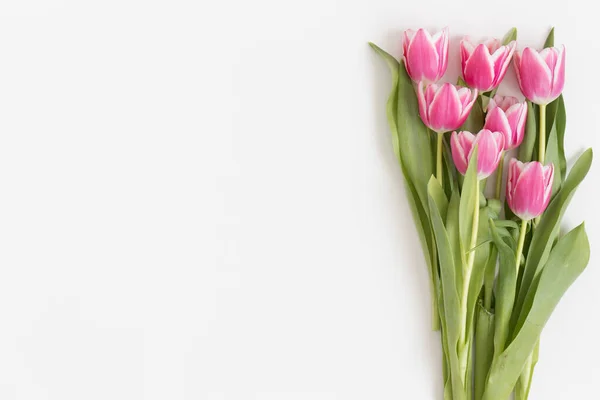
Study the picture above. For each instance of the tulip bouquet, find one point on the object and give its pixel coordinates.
(498, 260)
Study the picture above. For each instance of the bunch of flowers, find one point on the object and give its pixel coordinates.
(498, 264)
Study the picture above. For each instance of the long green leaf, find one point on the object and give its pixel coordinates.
(547, 230)
(566, 262)
(392, 102)
(454, 236)
(484, 348)
(444, 337)
(505, 290)
(482, 255)
(553, 156)
(419, 209)
(415, 144)
(467, 203)
(449, 291)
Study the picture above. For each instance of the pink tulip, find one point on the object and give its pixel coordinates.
(541, 75)
(507, 115)
(484, 65)
(529, 188)
(490, 146)
(426, 57)
(445, 108)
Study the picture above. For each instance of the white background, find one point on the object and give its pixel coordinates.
(199, 200)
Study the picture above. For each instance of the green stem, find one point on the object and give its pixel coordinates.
(542, 134)
(542, 141)
(438, 170)
(520, 245)
(524, 383)
(489, 277)
(435, 314)
(499, 176)
(464, 341)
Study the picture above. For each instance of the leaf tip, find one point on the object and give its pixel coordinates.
(374, 46)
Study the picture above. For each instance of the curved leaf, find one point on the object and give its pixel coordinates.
(415, 145)
(547, 230)
(392, 103)
(449, 291)
(419, 209)
(566, 262)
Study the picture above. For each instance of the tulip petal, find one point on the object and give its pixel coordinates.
(501, 59)
(461, 145)
(479, 69)
(558, 74)
(550, 57)
(492, 44)
(517, 65)
(529, 188)
(529, 191)
(535, 77)
(422, 57)
(440, 41)
(504, 102)
(514, 171)
(548, 173)
(489, 148)
(467, 141)
(496, 121)
(517, 117)
(467, 104)
(466, 49)
(408, 35)
(445, 109)
(430, 92)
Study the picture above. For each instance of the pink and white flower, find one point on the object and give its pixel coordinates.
(490, 146)
(541, 75)
(529, 188)
(426, 57)
(507, 115)
(445, 107)
(484, 65)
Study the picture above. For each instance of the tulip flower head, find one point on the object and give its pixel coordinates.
(529, 188)
(507, 115)
(484, 65)
(541, 75)
(445, 107)
(490, 146)
(426, 57)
